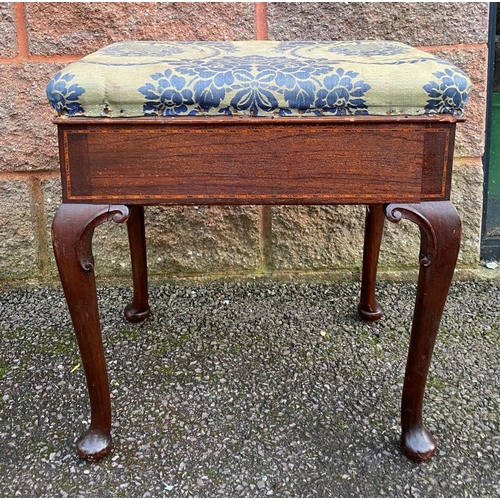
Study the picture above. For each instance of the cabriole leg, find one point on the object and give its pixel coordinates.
(369, 309)
(72, 232)
(138, 309)
(440, 231)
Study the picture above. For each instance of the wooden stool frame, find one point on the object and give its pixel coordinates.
(399, 167)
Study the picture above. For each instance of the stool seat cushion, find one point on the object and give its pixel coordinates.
(261, 78)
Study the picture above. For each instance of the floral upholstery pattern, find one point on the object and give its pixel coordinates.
(260, 78)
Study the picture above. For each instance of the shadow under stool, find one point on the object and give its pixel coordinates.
(258, 123)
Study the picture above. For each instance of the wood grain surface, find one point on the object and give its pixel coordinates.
(256, 161)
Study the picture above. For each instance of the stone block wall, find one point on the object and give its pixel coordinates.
(40, 38)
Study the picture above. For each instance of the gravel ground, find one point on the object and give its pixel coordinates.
(250, 389)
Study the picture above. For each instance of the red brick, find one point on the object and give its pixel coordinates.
(29, 139)
(85, 27)
(8, 43)
(416, 23)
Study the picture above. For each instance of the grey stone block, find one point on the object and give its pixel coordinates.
(8, 44)
(467, 195)
(324, 238)
(317, 237)
(102, 23)
(415, 23)
(202, 239)
(29, 139)
(18, 254)
(186, 240)
(471, 133)
(110, 243)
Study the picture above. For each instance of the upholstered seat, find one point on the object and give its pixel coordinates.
(264, 78)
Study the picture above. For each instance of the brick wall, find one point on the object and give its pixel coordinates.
(39, 38)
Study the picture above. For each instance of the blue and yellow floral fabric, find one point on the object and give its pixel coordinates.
(261, 78)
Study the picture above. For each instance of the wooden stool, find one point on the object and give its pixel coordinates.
(144, 123)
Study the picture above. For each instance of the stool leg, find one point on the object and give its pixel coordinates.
(138, 309)
(440, 231)
(72, 232)
(369, 309)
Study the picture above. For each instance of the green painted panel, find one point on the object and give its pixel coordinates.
(494, 167)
